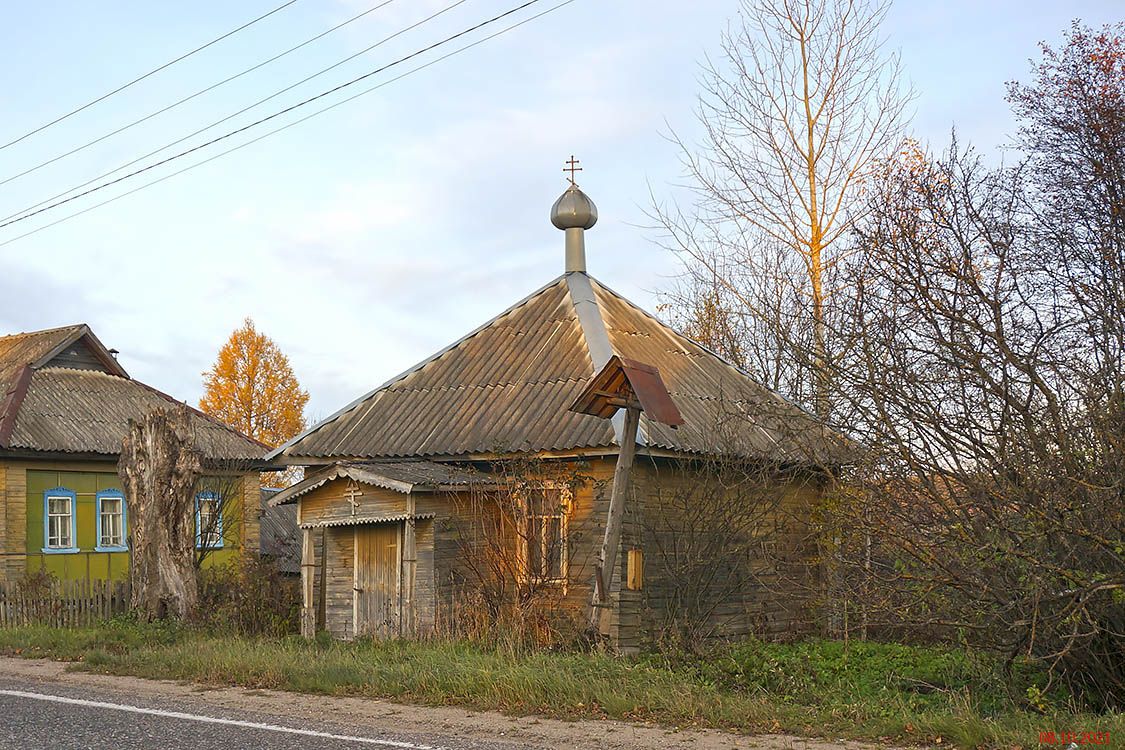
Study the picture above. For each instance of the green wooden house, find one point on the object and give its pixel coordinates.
(65, 405)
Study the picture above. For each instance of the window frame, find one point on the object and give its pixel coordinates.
(60, 493)
(566, 505)
(111, 494)
(218, 513)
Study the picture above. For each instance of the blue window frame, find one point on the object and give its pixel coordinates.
(60, 521)
(112, 522)
(208, 520)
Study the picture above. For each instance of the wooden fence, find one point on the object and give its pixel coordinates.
(61, 604)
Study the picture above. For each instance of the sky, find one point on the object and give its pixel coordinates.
(368, 237)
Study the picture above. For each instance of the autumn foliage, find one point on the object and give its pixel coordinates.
(252, 388)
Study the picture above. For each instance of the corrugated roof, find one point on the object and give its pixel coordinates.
(723, 408)
(506, 387)
(86, 411)
(367, 520)
(47, 405)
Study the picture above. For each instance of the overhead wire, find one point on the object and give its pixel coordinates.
(232, 115)
(152, 72)
(189, 97)
(287, 125)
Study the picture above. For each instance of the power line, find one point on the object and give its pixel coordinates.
(154, 71)
(231, 116)
(277, 114)
(190, 167)
(188, 98)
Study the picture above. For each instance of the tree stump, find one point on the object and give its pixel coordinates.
(159, 467)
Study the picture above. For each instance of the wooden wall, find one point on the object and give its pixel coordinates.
(777, 577)
(339, 580)
(334, 549)
(451, 548)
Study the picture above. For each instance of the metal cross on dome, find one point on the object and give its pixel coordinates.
(572, 167)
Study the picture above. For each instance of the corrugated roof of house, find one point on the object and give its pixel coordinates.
(53, 409)
(506, 387)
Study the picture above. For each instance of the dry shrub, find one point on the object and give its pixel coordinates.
(506, 586)
(248, 596)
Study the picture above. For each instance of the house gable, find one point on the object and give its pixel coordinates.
(84, 354)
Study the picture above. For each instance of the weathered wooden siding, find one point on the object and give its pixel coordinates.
(451, 552)
(779, 577)
(335, 578)
(250, 516)
(460, 546)
(15, 513)
(425, 590)
(330, 503)
(339, 609)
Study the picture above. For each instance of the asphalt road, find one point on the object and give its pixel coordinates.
(59, 717)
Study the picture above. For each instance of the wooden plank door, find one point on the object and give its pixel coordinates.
(378, 579)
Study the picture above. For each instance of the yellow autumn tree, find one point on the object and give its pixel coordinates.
(252, 388)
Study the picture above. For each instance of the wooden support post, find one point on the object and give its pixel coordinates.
(308, 575)
(409, 567)
(607, 558)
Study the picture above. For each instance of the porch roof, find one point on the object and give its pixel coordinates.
(401, 476)
(365, 520)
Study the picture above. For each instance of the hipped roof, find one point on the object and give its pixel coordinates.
(506, 387)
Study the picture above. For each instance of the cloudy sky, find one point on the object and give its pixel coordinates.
(374, 234)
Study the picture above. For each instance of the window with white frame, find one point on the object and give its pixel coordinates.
(208, 520)
(59, 520)
(111, 521)
(544, 536)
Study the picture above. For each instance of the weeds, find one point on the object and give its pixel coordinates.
(868, 691)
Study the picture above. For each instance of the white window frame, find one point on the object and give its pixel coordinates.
(60, 493)
(215, 540)
(104, 545)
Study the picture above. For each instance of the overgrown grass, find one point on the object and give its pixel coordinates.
(866, 690)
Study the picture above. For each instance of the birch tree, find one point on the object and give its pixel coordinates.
(798, 111)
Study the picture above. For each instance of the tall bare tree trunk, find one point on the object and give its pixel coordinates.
(799, 118)
(159, 466)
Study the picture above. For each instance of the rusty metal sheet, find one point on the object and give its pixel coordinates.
(625, 380)
(655, 400)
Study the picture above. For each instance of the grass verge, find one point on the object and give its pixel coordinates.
(817, 688)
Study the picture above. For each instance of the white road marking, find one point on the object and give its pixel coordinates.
(215, 720)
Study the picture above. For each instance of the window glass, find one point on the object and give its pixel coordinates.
(210, 522)
(111, 524)
(59, 510)
(545, 534)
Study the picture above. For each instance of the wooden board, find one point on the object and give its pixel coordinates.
(378, 579)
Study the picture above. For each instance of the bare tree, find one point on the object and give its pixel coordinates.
(727, 543)
(803, 105)
(995, 499)
(517, 563)
(159, 466)
(220, 506)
